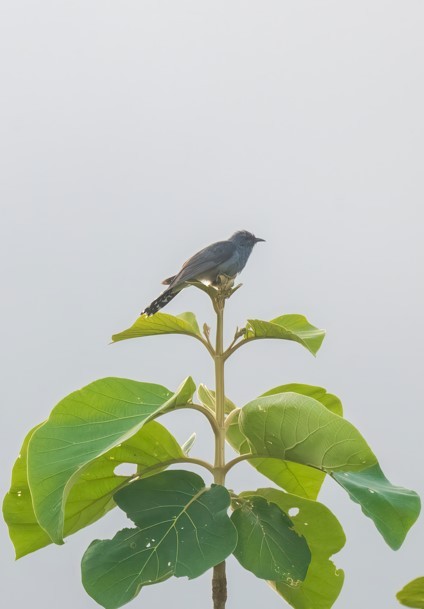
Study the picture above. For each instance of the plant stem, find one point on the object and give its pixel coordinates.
(208, 414)
(219, 580)
(234, 346)
(219, 586)
(204, 342)
(142, 471)
(220, 397)
(240, 458)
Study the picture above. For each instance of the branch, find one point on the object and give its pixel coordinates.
(205, 411)
(205, 343)
(206, 332)
(249, 456)
(238, 334)
(246, 457)
(232, 348)
(163, 464)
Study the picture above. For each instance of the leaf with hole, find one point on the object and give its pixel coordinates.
(82, 427)
(324, 536)
(267, 543)
(182, 529)
(92, 494)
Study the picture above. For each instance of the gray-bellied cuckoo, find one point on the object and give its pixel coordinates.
(221, 258)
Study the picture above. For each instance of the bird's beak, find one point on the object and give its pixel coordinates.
(257, 239)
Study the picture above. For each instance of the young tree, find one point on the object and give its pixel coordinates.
(64, 478)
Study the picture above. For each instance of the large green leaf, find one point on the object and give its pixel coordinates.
(92, 494)
(293, 477)
(161, 323)
(182, 529)
(81, 428)
(288, 327)
(393, 509)
(412, 595)
(329, 400)
(298, 428)
(267, 544)
(24, 530)
(324, 536)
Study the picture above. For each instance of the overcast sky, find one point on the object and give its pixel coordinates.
(134, 133)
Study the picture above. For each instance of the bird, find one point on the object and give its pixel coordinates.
(221, 258)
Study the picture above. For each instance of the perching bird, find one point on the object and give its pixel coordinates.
(221, 258)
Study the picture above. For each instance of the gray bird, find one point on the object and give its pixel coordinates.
(221, 258)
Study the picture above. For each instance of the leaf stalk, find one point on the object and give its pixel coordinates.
(163, 464)
(205, 411)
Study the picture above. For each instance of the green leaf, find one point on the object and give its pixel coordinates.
(393, 509)
(161, 323)
(267, 544)
(81, 428)
(92, 494)
(298, 428)
(412, 595)
(288, 327)
(324, 536)
(183, 529)
(207, 397)
(329, 400)
(293, 477)
(24, 530)
(188, 444)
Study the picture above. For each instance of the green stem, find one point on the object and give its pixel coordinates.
(240, 458)
(148, 470)
(204, 342)
(205, 411)
(249, 456)
(219, 580)
(219, 397)
(233, 347)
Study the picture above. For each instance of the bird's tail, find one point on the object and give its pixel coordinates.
(160, 302)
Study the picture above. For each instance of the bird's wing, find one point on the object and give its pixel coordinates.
(205, 260)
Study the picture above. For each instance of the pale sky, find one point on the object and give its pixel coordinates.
(134, 133)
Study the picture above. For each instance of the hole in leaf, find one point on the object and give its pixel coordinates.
(293, 512)
(125, 469)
